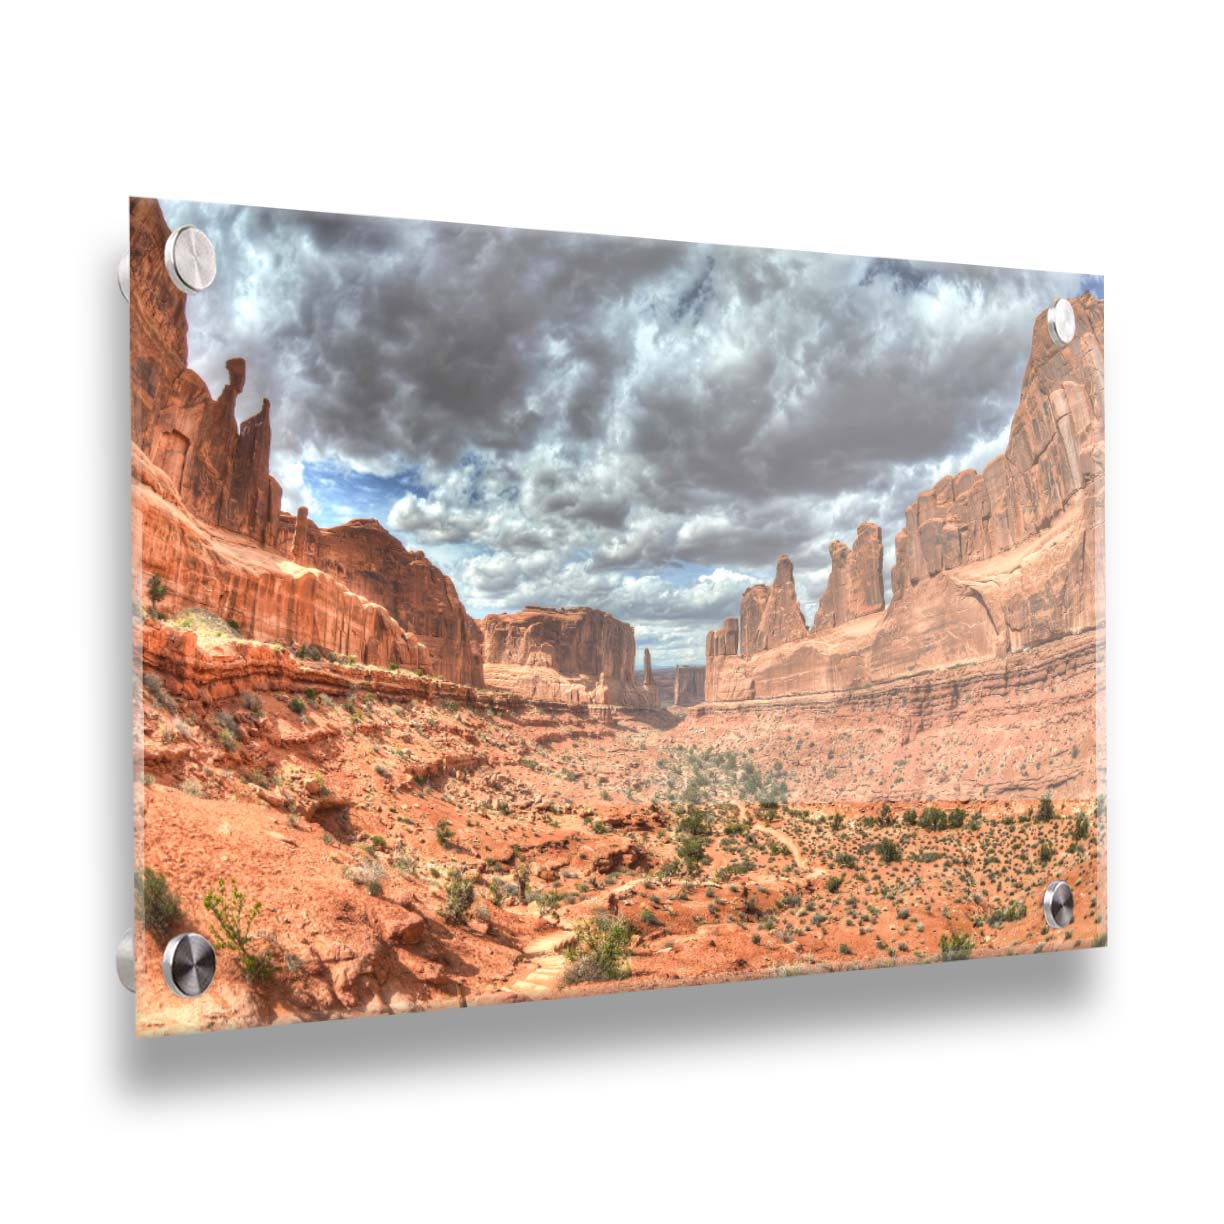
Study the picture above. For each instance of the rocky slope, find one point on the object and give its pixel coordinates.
(987, 565)
(568, 655)
(207, 517)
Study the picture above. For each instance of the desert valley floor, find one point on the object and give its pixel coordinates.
(734, 840)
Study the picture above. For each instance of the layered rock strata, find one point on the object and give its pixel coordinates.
(572, 655)
(856, 580)
(988, 565)
(689, 686)
(207, 514)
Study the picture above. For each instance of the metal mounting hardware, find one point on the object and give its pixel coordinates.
(1059, 905)
(1060, 319)
(190, 259)
(189, 965)
(125, 961)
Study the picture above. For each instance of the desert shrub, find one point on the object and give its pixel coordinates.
(955, 946)
(549, 900)
(1079, 830)
(1012, 912)
(156, 905)
(1045, 809)
(936, 820)
(252, 702)
(460, 893)
(1045, 852)
(599, 951)
(846, 860)
(649, 918)
(833, 883)
(157, 590)
(157, 690)
(368, 874)
(232, 928)
(845, 949)
(691, 853)
(911, 816)
(888, 850)
(297, 705)
(445, 833)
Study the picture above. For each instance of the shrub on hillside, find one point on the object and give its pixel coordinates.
(600, 950)
(156, 905)
(233, 928)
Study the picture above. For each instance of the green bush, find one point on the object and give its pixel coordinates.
(1012, 912)
(599, 951)
(444, 832)
(157, 590)
(833, 883)
(460, 893)
(1079, 830)
(691, 853)
(1045, 809)
(156, 905)
(936, 820)
(297, 705)
(232, 928)
(1045, 852)
(888, 850)
(955, 946)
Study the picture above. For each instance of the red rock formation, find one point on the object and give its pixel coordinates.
(856, 581)
(648, 681)
(368, 559)
(1056, 449)
(267, 596)
(689, 686)
(199, 477)
(574, 655)
(770, 615)
(723, 641)
(987, 565)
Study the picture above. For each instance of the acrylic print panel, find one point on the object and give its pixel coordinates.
(525, 615)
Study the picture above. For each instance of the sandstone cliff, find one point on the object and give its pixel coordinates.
(856, 580)
(571, 655)
(987, 565)
(770, 615)
(689, 686)
(207, 514)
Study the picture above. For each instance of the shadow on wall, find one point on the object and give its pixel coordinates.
(889, 1005)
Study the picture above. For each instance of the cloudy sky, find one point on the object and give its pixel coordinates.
(638, 426)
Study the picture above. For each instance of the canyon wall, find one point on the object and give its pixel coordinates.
(856, 580)
(689, 686)
(207, 514)
(987, 565)
(770, 615)
(574, 655)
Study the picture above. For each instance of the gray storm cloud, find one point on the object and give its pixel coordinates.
(638, 425)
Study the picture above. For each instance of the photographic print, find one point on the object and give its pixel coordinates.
(523, 615)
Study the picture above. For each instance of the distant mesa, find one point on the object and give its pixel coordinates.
(987, 564)
(689, 686)
(574, 656)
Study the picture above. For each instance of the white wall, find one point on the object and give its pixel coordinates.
(1069, 137)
